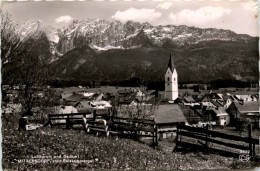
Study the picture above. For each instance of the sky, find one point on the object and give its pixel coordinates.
(238, 16)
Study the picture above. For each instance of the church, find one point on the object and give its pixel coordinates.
(171, 82)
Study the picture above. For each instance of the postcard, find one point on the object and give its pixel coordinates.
(130, 85)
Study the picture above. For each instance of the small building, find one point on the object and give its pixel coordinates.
(167, 117)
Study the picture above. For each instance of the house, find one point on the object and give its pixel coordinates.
(73, 99)
(211, 96)
(65, 109)
(191, 114)
(83, 106)
(246, 98)
(123, 92)
(87, 94)
(108, 96)
(227, 100)
(7, 110)
(100, 104)
(195, 95)
(188, 99)
(212, 100)
(12, 94)
(17, 107)
(167, 117)
(244, 110)
(222, 117)
(97, 97)
(97, 107)
(152, 93)
(65, 95)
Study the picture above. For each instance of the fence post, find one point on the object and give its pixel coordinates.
(94, 114)
(250, 139)
(156, 136)
(207, 128)
(253, 149)
(154, 126)
(177, 137)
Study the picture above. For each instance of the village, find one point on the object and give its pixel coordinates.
(223, 108)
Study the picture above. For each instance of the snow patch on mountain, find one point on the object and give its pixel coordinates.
(106, 47)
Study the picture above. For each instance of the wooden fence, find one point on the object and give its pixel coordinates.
(244, 144)
(135, 127)
(100, 123)
(68, 120)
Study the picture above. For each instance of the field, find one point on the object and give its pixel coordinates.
(101, 152)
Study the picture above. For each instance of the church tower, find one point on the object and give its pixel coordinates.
(171, 82)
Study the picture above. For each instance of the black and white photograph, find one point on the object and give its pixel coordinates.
(130, 85)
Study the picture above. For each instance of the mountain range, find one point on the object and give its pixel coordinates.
(95, 49)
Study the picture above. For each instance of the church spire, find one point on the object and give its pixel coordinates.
(170, 64)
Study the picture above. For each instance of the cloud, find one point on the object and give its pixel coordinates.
(250, 6)
(165, 5)
(199, 17)
(64, 19)
(139, 15)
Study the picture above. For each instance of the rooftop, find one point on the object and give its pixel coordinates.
(220, 111)
(85, 104)
(189, 99)
(65, 95)
(246, 107)
(170, 64)
(75, 97)
(169, 114)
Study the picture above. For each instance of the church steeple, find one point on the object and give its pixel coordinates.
(171, 81)
(170, 64)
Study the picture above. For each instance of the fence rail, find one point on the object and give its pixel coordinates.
(209, 136)
(69, 114)
(109, 124)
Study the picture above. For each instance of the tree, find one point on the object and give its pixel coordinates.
(138, 109)
(23, 66)
(11, 46)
